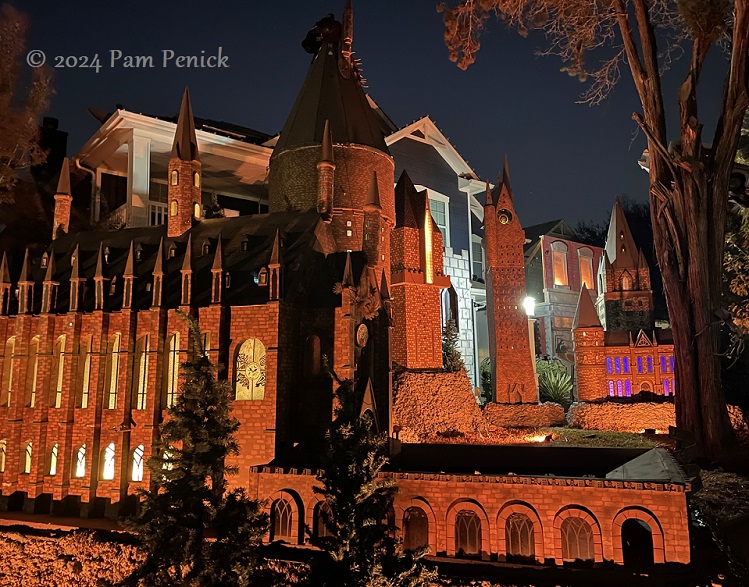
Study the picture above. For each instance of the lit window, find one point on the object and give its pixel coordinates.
(107, 470)
(666, 387)
(27, 453)
(611, 387)
(639, 364)
(586, 268)
(80, 462)
(559, 263)
(467, 533)
(671, 363)
(618, 364)
(53, 459)
(664, 368)
(174, 177)
(428, 241)
(59, 365)
(86, 348)
(577, 540)
(609, 368)
(619, 388)
(114, 371)
(196, 211)
(33, 372)
(196, 179)
(173, 208)
(137, 473)
(172, 371)
(142, 357)
(8, 366)
(650, 364)
(628, 387)
(249, 376)
(3, 452)
(626, 282)
(282, 520)
(626, 364)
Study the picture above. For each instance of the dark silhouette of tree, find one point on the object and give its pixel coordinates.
(188, 498)
(688, 181)
(19, 118)
(359, 549)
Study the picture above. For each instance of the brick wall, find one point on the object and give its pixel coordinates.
(622, 417)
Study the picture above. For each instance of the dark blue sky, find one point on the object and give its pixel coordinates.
(566, 159)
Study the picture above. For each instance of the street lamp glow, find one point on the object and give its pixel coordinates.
(529, 304)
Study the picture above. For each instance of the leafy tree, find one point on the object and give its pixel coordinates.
(451, 356)
(188, 498)
(19, 132)
(360, 549)
(688, 182)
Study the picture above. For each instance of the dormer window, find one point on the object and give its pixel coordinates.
(172, 251)
(206, 248)
(262, 277)
(138, 252)
(174, 177)
(227, 280)
(106, 254)
(196, 179)
(45, 260)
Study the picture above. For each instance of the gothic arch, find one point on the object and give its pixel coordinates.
(518, 507)
(576, 511)
(659, 551)
(402, 506)
(472, 506)
(292, 498)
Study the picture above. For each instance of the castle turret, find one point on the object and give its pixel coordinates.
(184, 191)
(333, 121)
(589, 343)
(625, 300)
(63, 201)
(513, 375)
(417, 278)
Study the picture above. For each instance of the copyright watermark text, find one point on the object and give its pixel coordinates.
(118, 59)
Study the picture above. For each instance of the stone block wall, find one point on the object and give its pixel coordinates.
(524, 415)
(458, 267)
(622, 417)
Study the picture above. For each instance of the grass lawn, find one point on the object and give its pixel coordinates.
(599, 438)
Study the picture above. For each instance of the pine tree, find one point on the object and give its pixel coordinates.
(360, 549)
(188, 499)
(450, 353)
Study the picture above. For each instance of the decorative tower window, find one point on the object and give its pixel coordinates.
(108, 463)
(3, 454)
(173, 207)
(58, 364)
(650, 364)
(250, 370)
(639, 364)
(80, 463)
(172, 371)
(137, 472)
(142, 358)
(27, 454)
(114, 371)
(197, 211)
(174, 177)
(53, 455)
(196, 179)
(609, 368)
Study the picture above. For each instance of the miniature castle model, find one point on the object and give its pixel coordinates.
(347, 264)
(618, 351)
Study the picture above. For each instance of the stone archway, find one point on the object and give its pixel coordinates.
(636, 535)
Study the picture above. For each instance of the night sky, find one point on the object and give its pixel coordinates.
(566, 159)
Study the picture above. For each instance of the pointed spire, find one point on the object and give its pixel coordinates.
(99, 273)
(327, 144)
(621, 249)
(187, 261)
(506, 175)
(49, 287)
(489, 200)
(185, 145)
(372, 203)
(63, 184)
(642, 262)
(586, 315)
(348, 274)
(4, 273)
(49, 276)
(75, 264)
(25, 268)
(99, 279)
(158, 266)
(130, 262)
(275, 254)
(218, 257)
(347, 30)
(408, 205)
(384, 290)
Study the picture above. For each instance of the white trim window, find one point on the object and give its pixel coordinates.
(559, 264)
(585, 256)
(477, 258)
(439, 206)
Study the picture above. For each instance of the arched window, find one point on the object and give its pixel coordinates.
(415, 529)
(141, 390)
(58, 371)
(619, 388)
(250, 370)
(7, 383)
(312, 357)
(559, 263)
(197, 211)
(586, 267)
(85, 353)
(664, 367)
(609, 365)
(611, 387)
(107, 465)
(626, 282)
(627, 387)
(519, 536)
(26, 458)
(3, 454)
(666, 387)
(114, 371)
(639, 364)
(172, 375)
(650, 364)
(618, 364)
(32, 372)
(173, 207)
(671, 363)
(467, 533)
(196, 179)
(282, 518)
(577, 539)
(80, 462)
(645, 387)
(53, 454)
(322, 513)
(174, 177)
(137, 472)
(625, 362)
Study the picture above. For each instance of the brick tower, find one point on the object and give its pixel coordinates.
(625, 300)
(184, 179)
(589, 348)
(332, 147)
(513, 376)
(63, 200)
(417, 279)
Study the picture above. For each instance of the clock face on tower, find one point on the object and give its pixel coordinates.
(362, 335)
(504, 216)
